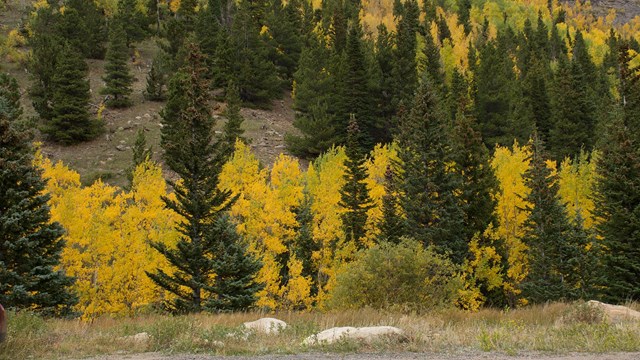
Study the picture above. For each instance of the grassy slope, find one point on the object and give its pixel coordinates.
(101, 159)
(536, 329)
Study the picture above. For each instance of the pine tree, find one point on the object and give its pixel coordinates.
(428, 187)
(93, 22)
(318, 133)
(45, 48)
(234, 287)
(617, 200)
(546, 229)
(384, 58)
(233, 127)
(118, 78)
(71, 121)
(304, 245)
(354, 195)
(10, 108)
(392, 225)
(141, 153)
(479, 183)
(31, 244)
(464, 15)
(405, 77)
(155, 82)
(284, 39)
(133, 21)
(193, 153)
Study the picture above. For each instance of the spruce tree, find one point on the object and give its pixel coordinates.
(392, 225)
(318, 132)
(304, 244)
(545, 234)
(384, 58)
(235, 287)
(141, 153)
(405, 77)
(197, 157)
(155, 82)
(354, 195)
(133, 21)
(93, 22)
(617, 200)
(71, 121)
(233, 127)
(10, 107)
(117, 78)
(30, 244)
(428, 187)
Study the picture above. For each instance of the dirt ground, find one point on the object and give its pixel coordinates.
(381, 356)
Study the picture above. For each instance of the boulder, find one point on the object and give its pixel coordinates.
(266, 325)
(615, 313)
(364, 334)
(3, 324)
(140, 338)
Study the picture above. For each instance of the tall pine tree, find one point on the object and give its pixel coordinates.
(207, 245)
(117, 78)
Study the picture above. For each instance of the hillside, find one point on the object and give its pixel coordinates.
(625, 9)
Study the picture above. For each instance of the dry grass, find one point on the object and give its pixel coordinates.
(529, 329)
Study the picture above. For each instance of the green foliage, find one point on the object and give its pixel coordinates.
(10, 107)
(90, 32)
(71, 122)
(31, 244)
(434, 213)
(235, 287)
(188, 120)
(118, 79)
(354, 194)
(156, 81)
(403, 276)
(233, 127)
(392, 225)
(405, 77)
(134, 22)
(551, 252)
(317, 128)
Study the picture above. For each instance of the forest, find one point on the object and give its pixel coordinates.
(446, 153)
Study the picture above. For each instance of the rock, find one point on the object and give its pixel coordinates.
(121, 147)
(364, 334)
(142, 337)
(138, 117)
(120, 128)
(266, 325)
(615, 313)
(147, 116)
(280, 146)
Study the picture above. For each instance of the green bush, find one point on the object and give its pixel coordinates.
(403, 276)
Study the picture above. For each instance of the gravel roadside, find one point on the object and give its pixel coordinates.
(381, 356)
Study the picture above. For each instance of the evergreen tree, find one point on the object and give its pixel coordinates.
(428, 187)
(193, 153)
(355, 95)
(10, 108)
(464, 15)
(234, 287)
(133, 21)
(141, 153)
(93, 25)
(405, 77)
(384, 59)
(45, 48)
(354, 195)
(479, 183)
(71, 121)
(546, 228)
(617, 200)
(392, 225)
(155, 82)
(304, 245)
(284, 39)
(31, 244)
(117, 78)
(233, 127)
(318, 133)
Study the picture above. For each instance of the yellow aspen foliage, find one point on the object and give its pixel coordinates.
(509, 166)
(577, 180)
(381, 157)
(265, 212)
(107, 235)
(324, 181)
(482, 268)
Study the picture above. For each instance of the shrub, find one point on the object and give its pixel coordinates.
(403, 276)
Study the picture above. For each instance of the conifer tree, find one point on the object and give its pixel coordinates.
(133, 21)
(546, 229)
(428, 187)
(141, 153)
(392, 225)
(31, 244)
(10, 108)
(233, 127)
(304, 244)
(117, 78)
(464, 15)
(45, 48)
(92, 21)
(318, 132)
(71, 121)
(617, 200)
(479, 183)
(193, 153)
(405, 77)
(284, 39)
(354, 195)
(155, 82)
(384, 59)
(235, 287)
